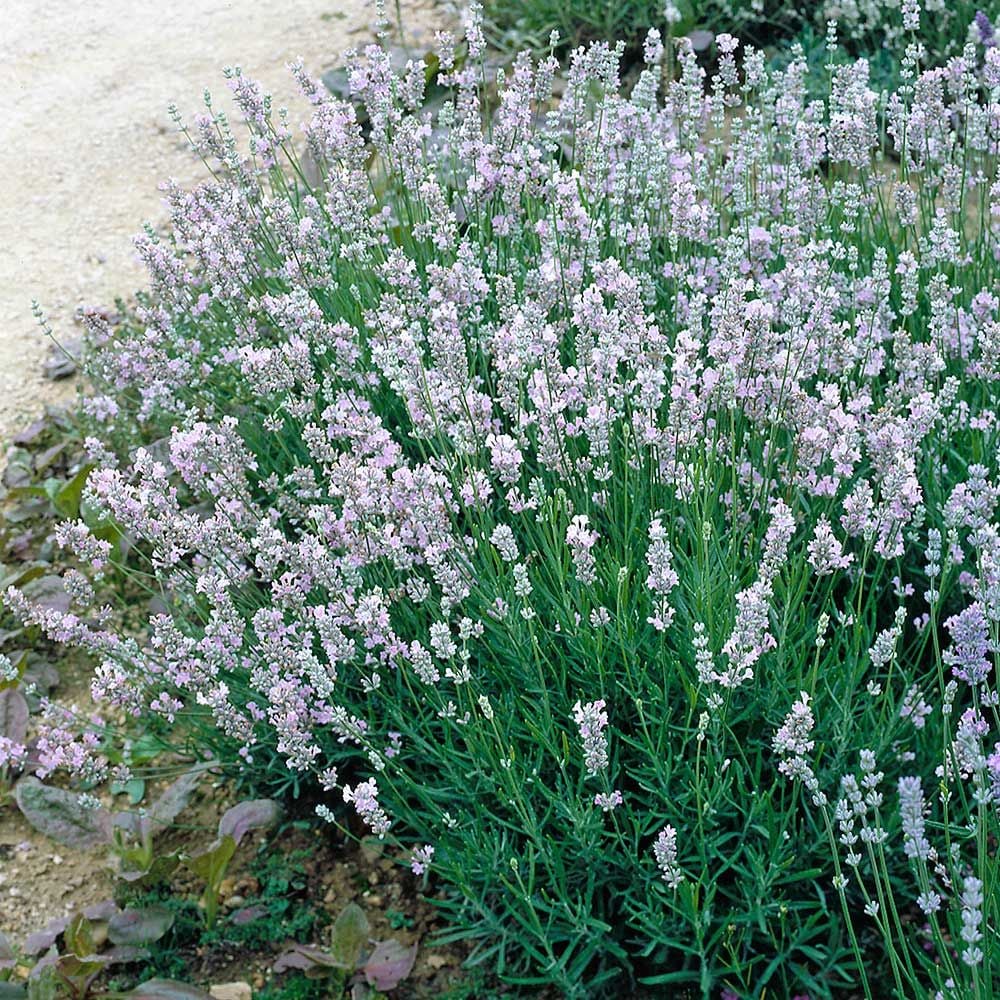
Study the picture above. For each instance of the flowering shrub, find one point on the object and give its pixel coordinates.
(877, 29)
(595, 498)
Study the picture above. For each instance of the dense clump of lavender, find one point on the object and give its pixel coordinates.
(529, 468)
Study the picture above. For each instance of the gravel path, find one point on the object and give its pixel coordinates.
(85, 140)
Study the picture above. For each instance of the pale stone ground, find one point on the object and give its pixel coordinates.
(85, 139)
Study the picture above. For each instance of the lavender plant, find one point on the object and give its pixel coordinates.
(574, 492)
(878, 30)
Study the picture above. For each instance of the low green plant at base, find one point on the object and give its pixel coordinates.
(280, 910)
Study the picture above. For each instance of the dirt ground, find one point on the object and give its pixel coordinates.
(85, 139)
(84, 142)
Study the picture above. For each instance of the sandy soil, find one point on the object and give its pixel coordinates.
(85, 139)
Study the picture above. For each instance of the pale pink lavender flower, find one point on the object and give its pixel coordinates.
(8, 672)
(581, 540)
(911, 814)
(665, 852)
(652, 47)
(463, 387)
(826, 553)
(608, 801)
(750, 637)
(364, 797)
(969, 653)
(13, 754)
(794, 744)
(662, 577)
(915, 707)
(421, 859)
(592, 721)
(504, 542)
(972, 919)
(985, 29)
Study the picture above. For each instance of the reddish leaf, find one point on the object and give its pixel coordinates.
(59, 815)
(389, 964)
(256, 814)
(166, 989)
(305, 957)
(248, 914)
(44, 939)
(48, 592)
(140, 926)
(104, 910)
(174, 798)
(13, 715)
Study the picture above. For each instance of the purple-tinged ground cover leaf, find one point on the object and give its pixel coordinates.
(19, 470)
(210, 866)
(48, 592)
(255, 814)
(41, 940)
(30, 433)
(60, 363)
(173, 800)
(305, 957)
(104, 910)
(166, 989)
(140, 926)
(40, 673)
(8, 956)
(13, 715)
(79, 936)
(389, 964)
(44, 459)
(59, 814)
(152, 873)
(248, 914)
(122, 955)
(348, 938)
